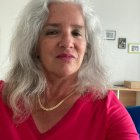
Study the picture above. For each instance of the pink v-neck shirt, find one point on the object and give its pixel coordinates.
(88, 119)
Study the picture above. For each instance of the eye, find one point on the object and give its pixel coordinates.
(76, 33)
(51, 32)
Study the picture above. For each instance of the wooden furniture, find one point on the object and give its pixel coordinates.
(129, 97)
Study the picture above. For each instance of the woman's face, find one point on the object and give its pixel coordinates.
(62, 43)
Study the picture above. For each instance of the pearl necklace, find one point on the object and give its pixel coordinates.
(54, 107)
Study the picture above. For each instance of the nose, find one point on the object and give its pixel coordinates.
(66, 41)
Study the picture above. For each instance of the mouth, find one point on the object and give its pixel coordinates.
(65, 56)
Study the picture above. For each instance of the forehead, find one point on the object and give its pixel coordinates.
(66, 13)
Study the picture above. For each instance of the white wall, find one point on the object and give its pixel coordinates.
(9, 10)
(120, 15)
(124, 17)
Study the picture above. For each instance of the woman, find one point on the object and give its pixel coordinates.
(56, 88)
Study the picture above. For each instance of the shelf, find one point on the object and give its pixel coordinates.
(129, 97)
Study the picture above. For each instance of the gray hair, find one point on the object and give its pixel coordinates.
(26, 78)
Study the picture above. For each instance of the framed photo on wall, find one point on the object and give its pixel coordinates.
(110, 34)
(121, 43)
(134, 47)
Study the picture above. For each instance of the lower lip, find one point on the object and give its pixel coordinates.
(65, 58)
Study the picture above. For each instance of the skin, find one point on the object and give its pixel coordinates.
(61, 49)
(63, 34)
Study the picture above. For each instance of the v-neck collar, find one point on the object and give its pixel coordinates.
(59, 124)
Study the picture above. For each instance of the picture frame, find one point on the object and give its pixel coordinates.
(110, 34)
(134, 48)
(121, 43)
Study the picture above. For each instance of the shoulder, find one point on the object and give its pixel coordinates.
(113, 107)
(119, 122)
(110, 109)
(109, 100)
(100, 106)
(115, 117)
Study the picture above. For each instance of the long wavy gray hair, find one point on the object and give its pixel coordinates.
(26, 78)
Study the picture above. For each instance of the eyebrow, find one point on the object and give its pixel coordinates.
(58, 25)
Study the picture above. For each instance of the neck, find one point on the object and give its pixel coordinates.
(60, 87)
(57, 93)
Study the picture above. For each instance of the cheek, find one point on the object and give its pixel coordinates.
(40, 47)
(82, 49)
(43, 48)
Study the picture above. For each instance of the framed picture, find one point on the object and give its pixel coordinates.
(121, 43)
(110, 34)
(134, 47)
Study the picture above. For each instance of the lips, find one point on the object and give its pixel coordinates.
(65, 56)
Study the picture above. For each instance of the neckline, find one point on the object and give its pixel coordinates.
(60, 123)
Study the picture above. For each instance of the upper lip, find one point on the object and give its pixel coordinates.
(65, 55)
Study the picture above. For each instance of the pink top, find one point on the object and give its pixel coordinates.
(104, 119)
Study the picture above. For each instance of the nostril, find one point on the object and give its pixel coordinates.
(66, 44)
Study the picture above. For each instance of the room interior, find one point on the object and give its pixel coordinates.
(119, 16)
(122, 16)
